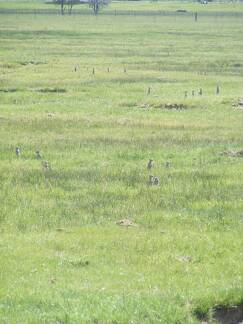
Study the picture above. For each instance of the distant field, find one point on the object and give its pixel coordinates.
(98, 97)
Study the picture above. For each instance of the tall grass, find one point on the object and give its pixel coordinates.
(63, 257)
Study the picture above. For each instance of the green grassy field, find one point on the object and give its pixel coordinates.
(63, 257)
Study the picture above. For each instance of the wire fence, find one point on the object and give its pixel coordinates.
(178, 13)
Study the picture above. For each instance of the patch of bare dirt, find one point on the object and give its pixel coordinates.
(184, 258)
(63, 230)
(169, 106)
(230, 315)
(239, 104)
(51, 90)
(9, 90)
(227, 315)
(32, 63)
(79, 263)
(158, 105)
(233, 153)
(125, 222)
(50, 115)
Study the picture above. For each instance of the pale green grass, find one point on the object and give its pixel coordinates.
(63, 258)
(122, 275)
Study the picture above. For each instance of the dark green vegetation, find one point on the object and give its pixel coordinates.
(63, 258)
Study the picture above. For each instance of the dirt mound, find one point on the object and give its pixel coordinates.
(176, 106)
(184, 258)
(9, 90)
(239, 104)
(225, 315)
(229, 315)
(233, 153)
(169, 106)
(51, 90)
(125, 222)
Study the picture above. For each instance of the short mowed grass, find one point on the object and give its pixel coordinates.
(95, 96)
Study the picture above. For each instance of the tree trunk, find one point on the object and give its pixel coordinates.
(62, 7)
(96, 7)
